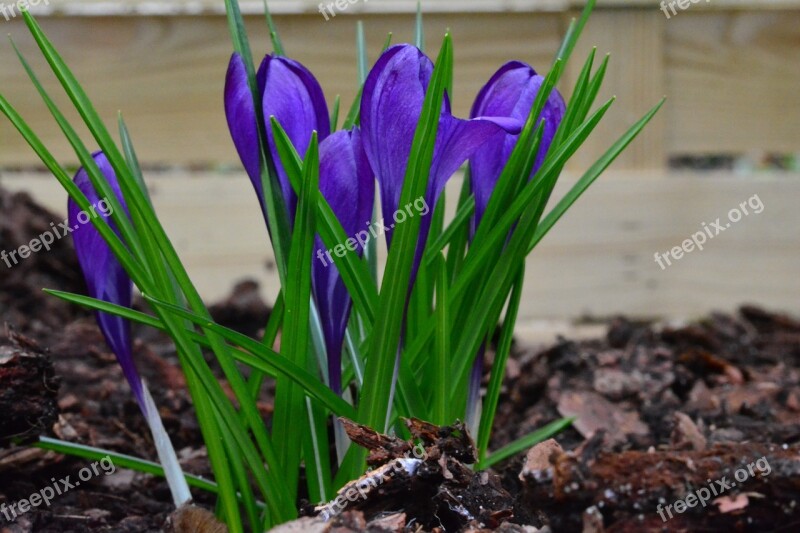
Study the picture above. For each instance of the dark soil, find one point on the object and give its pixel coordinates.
(662, 412)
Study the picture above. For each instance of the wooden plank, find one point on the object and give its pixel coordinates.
(635, 75)
(599, 260)
(167, 73)
(291, 7)
(194, 7)
(732, 79)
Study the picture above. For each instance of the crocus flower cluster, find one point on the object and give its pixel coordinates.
(350, 161)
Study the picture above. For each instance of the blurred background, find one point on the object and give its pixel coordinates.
(730, 130)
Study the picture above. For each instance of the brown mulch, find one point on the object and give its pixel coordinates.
(663, 411)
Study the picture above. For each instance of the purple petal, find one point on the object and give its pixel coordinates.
(509, 93)
(347, 183)
(106, 280)
(391, 105)
(456, 141)
(294, 97)
(242, 121)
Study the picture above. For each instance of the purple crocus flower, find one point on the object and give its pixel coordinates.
(509, 93)
(106, 280)
(348, 184)
(289, 92)
(391, 106)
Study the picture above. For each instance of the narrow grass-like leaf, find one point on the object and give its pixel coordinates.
(258, 355)
(574, 32)
(295, 342)
(353, 117)
(337, 102)
(520, 445)
(590, 176)
(498, 374)
(239, 475)
(352, 268)
(361, 53)
(441, 408)
(130, 156)
(277, 45)
(315, 453)
(120, 460)
(419, 29)
(256, 379)
(458, 224)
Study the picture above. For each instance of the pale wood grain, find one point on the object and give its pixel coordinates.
(172, 7)
(635, 76)
(733, 82)
(599, 260)
(731, 78)
(166, 73)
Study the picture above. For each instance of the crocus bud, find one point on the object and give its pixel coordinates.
(106, 280)
(509, 93)
(289, 92)
(347, 183)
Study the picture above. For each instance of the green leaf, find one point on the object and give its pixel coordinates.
(457, 225)
(131, 157)
(498, 373)
(257, 356)
(335, 113)
(295, 342)
(354, 271)
(316, 453)
(574, 32)
(277, 45)
(441, 359)
(591, 175)
(419, 30)
(355, 108)
(361, 53)
(120, 460)
(541, 434)
(256, 378)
